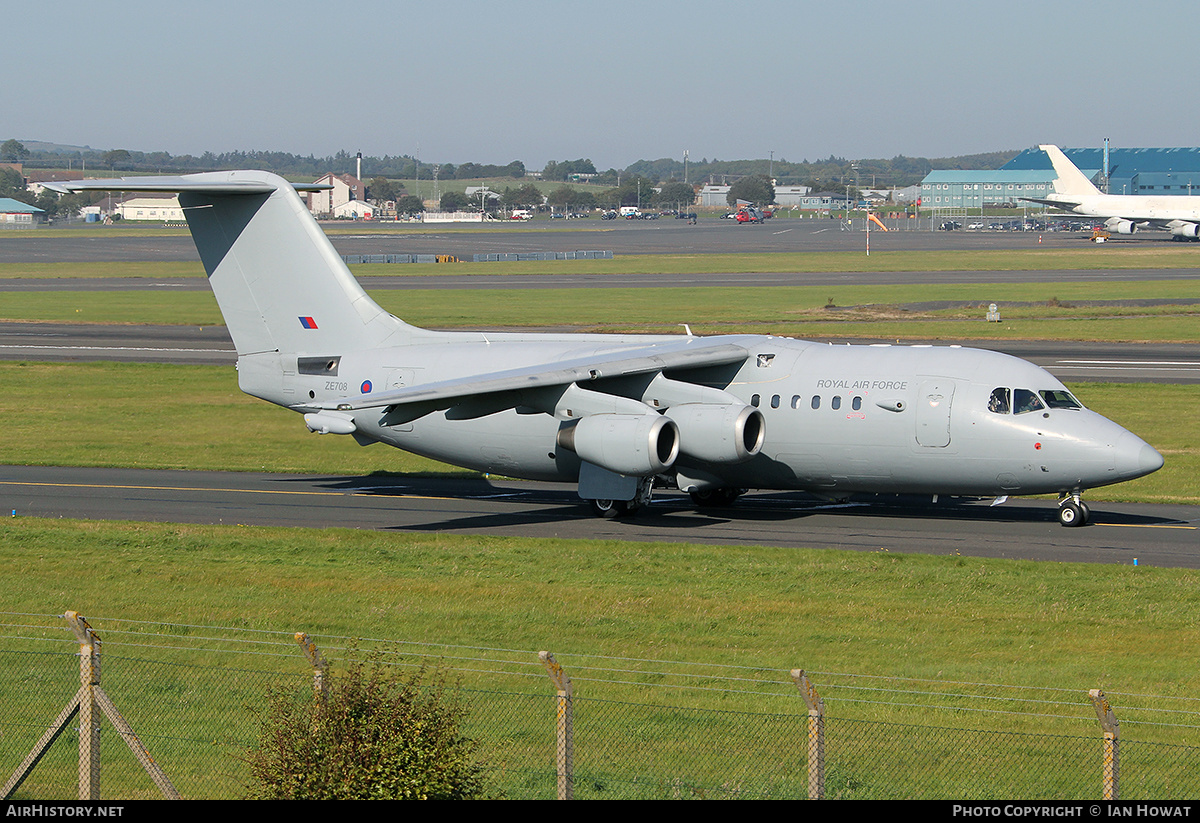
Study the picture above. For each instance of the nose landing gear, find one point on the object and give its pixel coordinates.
(1072, 511)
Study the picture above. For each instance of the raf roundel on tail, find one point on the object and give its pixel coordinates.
(714, 416)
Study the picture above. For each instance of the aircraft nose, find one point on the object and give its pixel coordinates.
(1136, 457)
(1149, 460)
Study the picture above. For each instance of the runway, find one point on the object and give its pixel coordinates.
(711, 235)
(572, 280)
(1069, 361)
(1020, 529)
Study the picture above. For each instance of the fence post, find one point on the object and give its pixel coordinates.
(1112, 748)
(564, 748)
(85, 702)
(317, 661)
(89, 726)
(91, 695)
(816, 734)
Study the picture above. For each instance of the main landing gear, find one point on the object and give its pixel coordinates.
(706, 499)
(715, 498)
(1072, 511)
(610, 509)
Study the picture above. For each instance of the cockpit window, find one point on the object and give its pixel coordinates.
(1056, 399)
(998, 402)
(1025, 401)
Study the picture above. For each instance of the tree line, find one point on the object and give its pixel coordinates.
(832, 173)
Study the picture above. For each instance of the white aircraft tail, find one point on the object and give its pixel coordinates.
(280, 284)
(1071, 181)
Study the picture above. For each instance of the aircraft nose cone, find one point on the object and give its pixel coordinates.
(1136, 457)
(1149, 460)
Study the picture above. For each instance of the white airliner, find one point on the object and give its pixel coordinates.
(714, 416)
(1122, 213)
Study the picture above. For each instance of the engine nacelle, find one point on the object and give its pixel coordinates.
(1189, 230)
(631, 444)
(719, 433)
(1121, 226)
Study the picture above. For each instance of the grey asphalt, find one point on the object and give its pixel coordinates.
(569, 280)
(666, 236)
(1022, 529)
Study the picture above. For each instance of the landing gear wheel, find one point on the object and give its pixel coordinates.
(610, 509)
(1071, 513)
(715, 498)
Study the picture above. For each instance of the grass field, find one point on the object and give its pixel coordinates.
(1077, 625)
(1088, 259)
(1029, 311)
(643, 630)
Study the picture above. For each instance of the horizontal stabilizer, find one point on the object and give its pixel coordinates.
(213, 183)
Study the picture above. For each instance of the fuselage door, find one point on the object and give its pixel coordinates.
(933, 412)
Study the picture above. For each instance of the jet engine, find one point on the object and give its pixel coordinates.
(718, 433)
(1121, 226)
(1188, 230)
(635, 445)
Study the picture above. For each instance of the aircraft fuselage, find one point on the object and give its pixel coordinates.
(838, 419)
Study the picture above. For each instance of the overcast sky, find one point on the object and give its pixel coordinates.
(617, 81)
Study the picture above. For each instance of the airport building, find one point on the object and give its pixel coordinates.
(346, 188)
(1173, 172)
(17, 215)
(151, 207)
(956, 189)
(1030, 174)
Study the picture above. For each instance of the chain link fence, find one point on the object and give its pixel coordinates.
(632, 729)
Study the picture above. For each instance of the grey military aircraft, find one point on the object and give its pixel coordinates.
(618, 414)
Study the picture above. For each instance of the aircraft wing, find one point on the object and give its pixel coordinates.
(688, 354)
(1058, 204)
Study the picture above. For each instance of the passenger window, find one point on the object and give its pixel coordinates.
(775, 401)
(816, 401)
(795, 401)
(1025, 401)
(856, 404)
(836, 402)
(998, 402)
(754, 400)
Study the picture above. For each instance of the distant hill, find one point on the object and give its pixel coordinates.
(56, 148)
(833, 172)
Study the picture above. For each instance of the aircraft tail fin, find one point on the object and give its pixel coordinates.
(280, 284)
(1071, 181)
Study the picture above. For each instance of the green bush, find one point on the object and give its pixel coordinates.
(378, 734)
